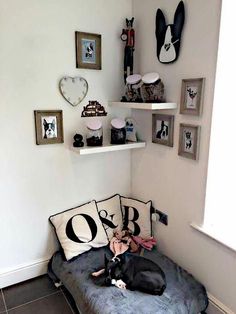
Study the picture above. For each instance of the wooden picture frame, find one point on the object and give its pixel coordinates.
(48, 126)
(189, 136)
(163, 129)
(88, 50)
(192, 96)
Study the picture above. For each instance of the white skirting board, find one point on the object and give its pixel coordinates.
(217, 307)
(23, 272)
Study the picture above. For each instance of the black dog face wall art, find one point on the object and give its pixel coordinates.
(169, 35)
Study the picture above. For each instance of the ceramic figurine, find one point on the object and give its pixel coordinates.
(128, 36)
(94, 134)
(78, 140)
(131, 134)
(118, 131)
(152, 89)
(93, 109)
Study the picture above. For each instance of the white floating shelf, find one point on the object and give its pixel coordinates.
(144, 106)
(87, 150)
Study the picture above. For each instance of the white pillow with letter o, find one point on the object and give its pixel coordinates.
(79, 229)
(137, 216)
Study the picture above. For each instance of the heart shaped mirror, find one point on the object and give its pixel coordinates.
(73, 89)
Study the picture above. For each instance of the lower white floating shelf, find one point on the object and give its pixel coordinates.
(87, 150)
(143, 106)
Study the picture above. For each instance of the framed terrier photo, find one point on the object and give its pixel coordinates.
(192, 96)
(48, 126)
(162, 129)
(88, 50)
(189, 141)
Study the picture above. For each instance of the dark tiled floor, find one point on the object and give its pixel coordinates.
(36, 296)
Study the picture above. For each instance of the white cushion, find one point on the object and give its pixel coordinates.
(110, 214)
(79, 229)
(137, 216)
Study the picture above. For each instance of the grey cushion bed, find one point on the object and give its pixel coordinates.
(183, 295)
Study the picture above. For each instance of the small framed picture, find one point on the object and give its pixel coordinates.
(162, 129)
(48, 126)
(189, 140)
(88, 50)
(192, 96)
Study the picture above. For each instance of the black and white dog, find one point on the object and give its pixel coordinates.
(49, 128)
(134, 272)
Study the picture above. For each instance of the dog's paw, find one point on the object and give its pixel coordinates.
(120, 284)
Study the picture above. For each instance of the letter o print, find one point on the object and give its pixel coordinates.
(71, 233)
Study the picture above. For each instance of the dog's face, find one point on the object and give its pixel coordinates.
(129, 23)
(169, 35)
(49, 128)
(188, 135)
(112, 269)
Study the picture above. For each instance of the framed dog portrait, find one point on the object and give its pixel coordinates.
(88, 50)
(192, 96)
(162, 129)
(48, 126)
(189, 141)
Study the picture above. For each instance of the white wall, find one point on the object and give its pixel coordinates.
(176, 184)
(37, 49)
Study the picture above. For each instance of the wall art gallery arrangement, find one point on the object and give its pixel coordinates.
(147, 88)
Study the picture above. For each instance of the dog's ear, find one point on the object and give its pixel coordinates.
(44, 122)
(121, 258)
(160, 30)
(160, 23)
(179, 19)
(132, 21)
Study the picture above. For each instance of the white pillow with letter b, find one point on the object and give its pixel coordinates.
(137, 216)
(79, 229)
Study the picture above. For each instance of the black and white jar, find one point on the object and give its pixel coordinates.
(152, 89)
(118, 131)
(94, 133)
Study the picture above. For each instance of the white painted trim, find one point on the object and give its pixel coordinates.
(23, 272)
(219, 305)
(212, 236)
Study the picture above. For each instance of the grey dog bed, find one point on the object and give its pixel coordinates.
(183, 295)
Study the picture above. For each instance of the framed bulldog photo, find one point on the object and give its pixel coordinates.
(48, 126)
(189, 141)
(88, 50)
(192, 96)
(163, 129)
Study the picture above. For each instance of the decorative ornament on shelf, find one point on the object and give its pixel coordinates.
(131, 133)
(152, 89)
(78, 140)
(93, 109)
(94, 134)
(118, 131)
(73, 89)
(128, 36)
(133, 89)
(169, 35)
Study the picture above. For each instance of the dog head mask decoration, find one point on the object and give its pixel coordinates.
(169, 35)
